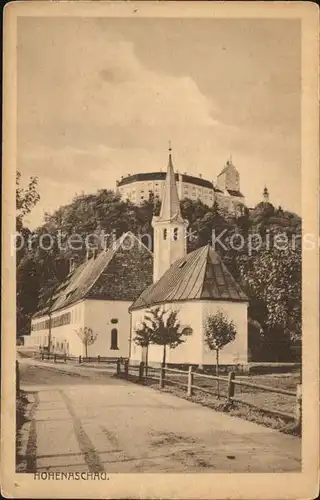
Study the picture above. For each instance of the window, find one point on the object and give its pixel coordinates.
(114, 339)
(165, 232)
(114, 320)
(175, 234)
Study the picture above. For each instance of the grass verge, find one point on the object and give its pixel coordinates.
(241, 410)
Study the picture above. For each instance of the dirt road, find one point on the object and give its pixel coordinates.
(94, 422)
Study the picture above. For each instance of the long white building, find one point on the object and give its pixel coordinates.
(96, 295)
(137, 188)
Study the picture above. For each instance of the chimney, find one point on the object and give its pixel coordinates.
(200, 175)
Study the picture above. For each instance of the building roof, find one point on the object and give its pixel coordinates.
(235, 193)
(116, 273)
(200, 275)
(225, 168)
(160, 176)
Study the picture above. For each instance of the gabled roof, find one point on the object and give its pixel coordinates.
(201, 275)
(120, 272)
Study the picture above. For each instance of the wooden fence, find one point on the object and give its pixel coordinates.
(186, 380)
(64, 357)
(225, 386)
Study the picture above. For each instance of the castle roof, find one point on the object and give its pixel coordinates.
(235, 193)
(226, 167)
(160, 176)
(200, 275)
(116, 273)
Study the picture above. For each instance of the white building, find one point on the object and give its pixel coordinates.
(96, 295)
(137, 188)
(194, 285)
(111, 292)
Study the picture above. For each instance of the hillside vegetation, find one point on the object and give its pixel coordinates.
(269, 273)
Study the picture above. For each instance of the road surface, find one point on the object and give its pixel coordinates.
(97, 423)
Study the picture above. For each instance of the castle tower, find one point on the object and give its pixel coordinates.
(169, 227)
(266, 195)
(229, 177)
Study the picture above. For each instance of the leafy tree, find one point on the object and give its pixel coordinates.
(87, 337)
(273, 278)
(166, 329)
(26, 199)
(143, 338)
(219, 331)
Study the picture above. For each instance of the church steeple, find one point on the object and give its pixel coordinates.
(265, 194)
(170, 206)
(169, 226)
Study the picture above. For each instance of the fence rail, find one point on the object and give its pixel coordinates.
(162, 375)
(186, 379)
(264, 388)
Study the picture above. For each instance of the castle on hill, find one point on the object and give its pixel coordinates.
(226, 191)
(111, 292)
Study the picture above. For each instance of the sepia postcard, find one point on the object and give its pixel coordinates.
(160, 286)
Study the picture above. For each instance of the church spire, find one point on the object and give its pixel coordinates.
(169, 227)
(170, 206)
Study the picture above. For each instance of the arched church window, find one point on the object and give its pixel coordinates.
(175, 234)
(114, 339)
(165, 232)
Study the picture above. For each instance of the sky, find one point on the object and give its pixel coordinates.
(99, 98)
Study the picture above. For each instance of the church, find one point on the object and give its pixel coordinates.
(194, 285)
(111, 292)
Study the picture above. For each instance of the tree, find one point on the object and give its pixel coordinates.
(143, 338)
(166, 329)
(87, 337)
(273, 277)
(219, 331)
(26, 199)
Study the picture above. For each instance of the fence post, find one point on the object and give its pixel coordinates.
(231, 378)
(55, 358)
(65, 357)
(79, 360)
(162, 375)
(118, 367)
(98, 358)
(298, 415)
(126, 368)
(141, 370)
(190, 381)
(42, 356)
(17, 377)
